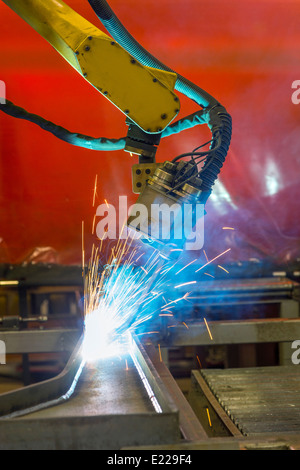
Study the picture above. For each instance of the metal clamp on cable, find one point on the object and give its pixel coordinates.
(141, 143)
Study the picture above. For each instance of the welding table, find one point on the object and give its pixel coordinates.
(109, 408)
(84, 421)
(258, 400)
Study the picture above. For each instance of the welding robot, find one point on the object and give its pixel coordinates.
(143, 89)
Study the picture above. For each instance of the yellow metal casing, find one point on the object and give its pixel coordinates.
(141, 172)
(144, 94)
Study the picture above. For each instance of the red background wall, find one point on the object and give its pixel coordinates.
(245, 53)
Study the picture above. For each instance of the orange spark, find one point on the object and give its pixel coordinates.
(227, 228)
(216, 257)
(160, 358)
(185, 284)
(185, 325)
(107, 205)
(166, 310)
(208, 417)
(167, 306)
(199, 362)
(82, 245)
(93, 226)
(186, 266)
(142, 254)
(209, 275)
(95, 190)
(221, 267)
(209, 332)
(185, 297)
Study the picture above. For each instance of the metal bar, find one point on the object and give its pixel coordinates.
(190, 426)
(245, 286)
(30, 397)
(288, 441)
(40, 341)
(242, 291)
(234, 332)
(143, 360)
(201, 398)
(240, 299)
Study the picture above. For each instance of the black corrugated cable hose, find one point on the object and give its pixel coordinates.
(95, 143)
(73, 138)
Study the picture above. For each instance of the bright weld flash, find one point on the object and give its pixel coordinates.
(99, 340)
(119, 297)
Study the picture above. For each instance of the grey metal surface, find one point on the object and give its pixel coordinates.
(259, 400)
(40, 394)
(223, 332)
(190, 427)
(235, 290)
(104, 388)
(235, 332)
(108, 409)
(205, 404)
(37, 340)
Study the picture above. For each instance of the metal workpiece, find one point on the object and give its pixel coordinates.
(190, 427)
(110, 404)
(43, 394)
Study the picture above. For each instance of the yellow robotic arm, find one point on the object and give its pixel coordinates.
(142, 93)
